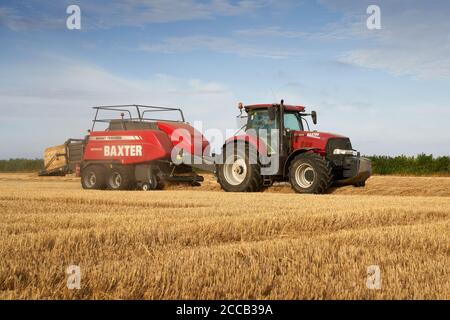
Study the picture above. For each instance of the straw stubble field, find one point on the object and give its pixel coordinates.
(201, 243)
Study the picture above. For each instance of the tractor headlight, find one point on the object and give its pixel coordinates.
(345, 152)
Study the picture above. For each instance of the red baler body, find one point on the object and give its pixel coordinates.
(141, 146)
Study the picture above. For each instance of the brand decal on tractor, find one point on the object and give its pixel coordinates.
(313, 135)
(123, 151)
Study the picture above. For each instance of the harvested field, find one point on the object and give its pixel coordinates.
(202, 243)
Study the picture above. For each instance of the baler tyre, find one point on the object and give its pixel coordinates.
(236, 174)
(161, 182)
(93, 177)
(310, 173)
(120, 178)
(152, 183)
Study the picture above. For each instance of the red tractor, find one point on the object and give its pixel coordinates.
(134, 149)
(311, 161)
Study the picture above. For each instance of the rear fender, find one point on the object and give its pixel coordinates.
(253, 141)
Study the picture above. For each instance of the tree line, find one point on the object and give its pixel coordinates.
(21, 165)
(421, 164)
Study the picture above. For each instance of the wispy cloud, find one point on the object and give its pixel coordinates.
(423, 64)
(414, 39)
(273, 31)
(14, 19)
(143, 12)
(81, 82)
(116, 13)
(217, 44)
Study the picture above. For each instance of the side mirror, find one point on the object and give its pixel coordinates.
(314, 117)
(271, 112)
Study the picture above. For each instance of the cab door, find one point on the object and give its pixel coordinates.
(260, 124)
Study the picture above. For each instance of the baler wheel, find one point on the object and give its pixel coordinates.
(146, 187)
(152, 184)
(120, 178)
(93, 177)
(310, 173)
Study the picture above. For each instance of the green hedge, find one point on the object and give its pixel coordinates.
(21, 165)
(419, 165)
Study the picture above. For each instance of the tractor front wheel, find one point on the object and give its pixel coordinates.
(310, 173)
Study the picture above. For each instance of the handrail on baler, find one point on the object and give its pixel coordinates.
(126, 108)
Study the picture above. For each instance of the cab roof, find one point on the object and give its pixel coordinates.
(265, 106)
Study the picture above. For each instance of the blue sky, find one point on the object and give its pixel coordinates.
(387, 89)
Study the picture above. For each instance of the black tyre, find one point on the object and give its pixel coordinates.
(360, 184)
(121, 178)
(238, 173)
(93, 177)
(310, 173)
(152, 183)
(161, 184)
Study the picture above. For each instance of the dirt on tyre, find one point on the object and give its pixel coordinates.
(93, 177)
(310, 173)
(120, 178)
(240, 170)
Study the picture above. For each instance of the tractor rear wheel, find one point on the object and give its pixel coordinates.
(237, 173)
(310, 173)
(93, 177)
(120, 178)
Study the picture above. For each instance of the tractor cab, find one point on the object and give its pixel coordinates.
(268, 116)
(287, 120)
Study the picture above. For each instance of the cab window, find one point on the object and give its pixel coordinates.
(259, 119)
(292, 121)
